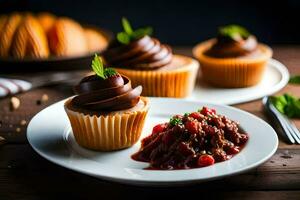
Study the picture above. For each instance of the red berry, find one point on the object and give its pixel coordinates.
(196, 115)
(192, 127)
(205, 160)
(233, 150)
(159, 128)
(207, 111)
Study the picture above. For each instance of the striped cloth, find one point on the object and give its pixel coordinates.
(13, 86)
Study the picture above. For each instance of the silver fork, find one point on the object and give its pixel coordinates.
(288, 127)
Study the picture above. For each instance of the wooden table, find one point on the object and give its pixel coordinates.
(26, 175)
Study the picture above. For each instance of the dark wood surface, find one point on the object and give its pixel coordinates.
(26, 175)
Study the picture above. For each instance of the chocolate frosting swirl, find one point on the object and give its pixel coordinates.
(113, 93)
(146, 53)
(225, 47)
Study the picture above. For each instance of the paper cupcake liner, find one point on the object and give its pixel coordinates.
(232, 72)
(172, 83)
(109, 132)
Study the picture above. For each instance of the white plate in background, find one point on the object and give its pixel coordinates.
(276, 76)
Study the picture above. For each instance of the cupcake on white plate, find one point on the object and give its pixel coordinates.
(107, 113)
(150, 63)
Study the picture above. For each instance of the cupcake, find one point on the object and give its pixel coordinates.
(233, 59)
(107, 113)
(149, 63)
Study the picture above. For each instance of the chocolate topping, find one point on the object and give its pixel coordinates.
(113, 93)
(232, 41)
(230, 48)
(145, 53)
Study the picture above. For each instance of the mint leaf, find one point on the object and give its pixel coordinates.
(123, 38)
(126, 26)
(141, 32)
(287, 104)
(293, 110)
(279, 103)
(186, 114)
(295, 79)
(234, 32)
(108, 72)
(175, 121)
(98, 68)
(129, 34)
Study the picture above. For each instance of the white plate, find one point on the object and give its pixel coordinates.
(49, 133)
(276, 76)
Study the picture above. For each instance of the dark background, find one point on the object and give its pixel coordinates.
(179, 22)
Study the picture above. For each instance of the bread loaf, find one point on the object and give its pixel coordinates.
(24, 35)
(30, 40)
(96, 42)
(46, 20)
(7, 33)
(66, 38)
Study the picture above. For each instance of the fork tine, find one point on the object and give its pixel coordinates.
(282, 122)
(296, 131)
(291, 128)
(287, 130)
(294, 135)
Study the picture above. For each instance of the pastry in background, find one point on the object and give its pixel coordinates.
(46, 20)
(67, 38)
(3, 19)
(7, 33)
(96, 41)
(30, 36)
(148, 62)
(107, 113)
(30, 39)
(233, 59)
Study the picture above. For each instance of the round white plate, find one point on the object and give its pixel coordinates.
(50, 135)
(276, 76)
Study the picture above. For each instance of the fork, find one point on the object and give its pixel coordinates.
(288, 127)
(12, 84)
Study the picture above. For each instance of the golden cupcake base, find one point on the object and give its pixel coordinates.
(173, 82)
(232, 72)
(107, 132)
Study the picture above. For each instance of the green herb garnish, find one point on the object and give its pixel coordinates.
(186, 114)
(129, 34)
(287, 104)
(175, 121)
(235, 32)
(100, 70)
(295, 79)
